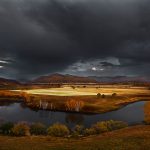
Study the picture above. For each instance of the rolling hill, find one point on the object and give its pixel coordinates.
(8, 83)
(59, 78)
(120, 79)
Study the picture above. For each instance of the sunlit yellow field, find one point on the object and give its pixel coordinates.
(69, 91)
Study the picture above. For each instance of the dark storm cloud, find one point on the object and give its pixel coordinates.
(45, 36)
(107, 64)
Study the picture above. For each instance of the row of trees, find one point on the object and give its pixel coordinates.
(59, 130)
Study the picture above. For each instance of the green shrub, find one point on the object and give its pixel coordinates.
(89, 131)
(38, 129)
(6, 128)
(114, 125)
(21, 129)
(58, 130)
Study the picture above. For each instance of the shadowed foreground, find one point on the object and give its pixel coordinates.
(132, 138)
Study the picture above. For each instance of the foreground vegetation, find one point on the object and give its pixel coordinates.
(131, 138)
(59, 130)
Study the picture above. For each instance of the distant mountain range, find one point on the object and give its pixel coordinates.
(120, 79)
(59, 78)
(8, 83)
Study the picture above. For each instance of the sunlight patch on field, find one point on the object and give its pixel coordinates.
(68, 91)
(60, 92)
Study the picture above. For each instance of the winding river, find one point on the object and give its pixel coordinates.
(16, 112)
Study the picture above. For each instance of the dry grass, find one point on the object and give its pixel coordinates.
(92, 104)
(10, 95)
(147, 112)
(59, 97)
(68, 91)
(132, 138)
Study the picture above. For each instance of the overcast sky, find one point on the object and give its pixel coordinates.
(82, 37)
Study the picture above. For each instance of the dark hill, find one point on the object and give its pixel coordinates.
(59, 78)
(8, 83)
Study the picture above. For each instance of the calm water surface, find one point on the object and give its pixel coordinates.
(15, 112)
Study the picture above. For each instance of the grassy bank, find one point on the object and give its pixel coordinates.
(82, 101)
(132, 138)
(91, 104)
(147, 113)
(6, 95)
(58, 98)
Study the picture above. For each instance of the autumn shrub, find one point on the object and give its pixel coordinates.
(78, 130)
(114, 125)
(89, 131)
(105, 126)
(147, 113)
(58, 130)
(21, 129)
(100, 127)
(38, 129)
(6, 128)
(74, 105)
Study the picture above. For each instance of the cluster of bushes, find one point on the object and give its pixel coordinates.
(105, 126)
(99, 95)
(23, 129)
(59, 130)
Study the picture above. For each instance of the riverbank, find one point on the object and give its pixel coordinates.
(91, 104)
(11, 96)
(106, 101)
(135, 138)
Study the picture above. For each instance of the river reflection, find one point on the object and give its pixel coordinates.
(74, 118)
(15, 112)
